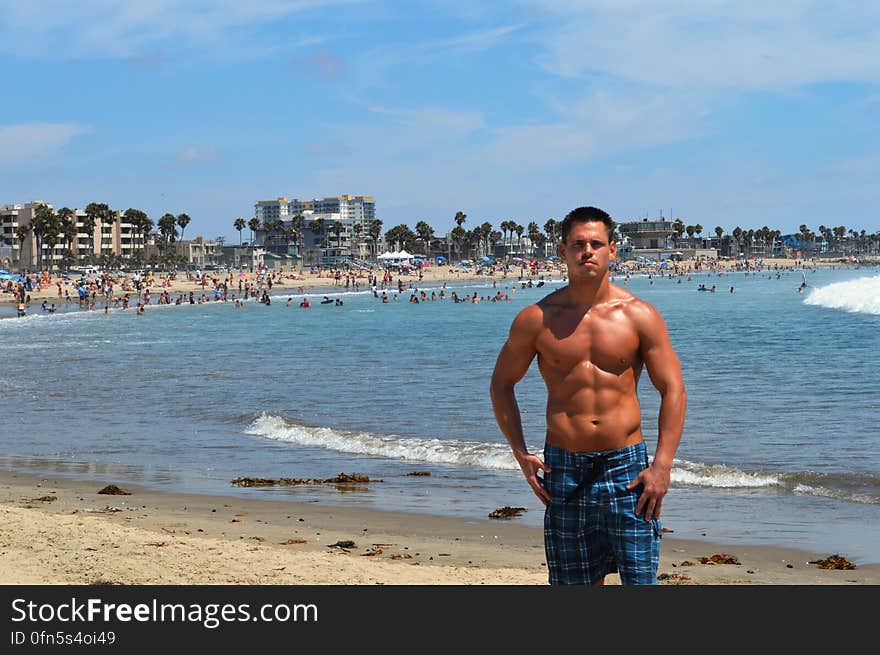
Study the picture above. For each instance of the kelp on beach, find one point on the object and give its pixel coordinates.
(341, 479)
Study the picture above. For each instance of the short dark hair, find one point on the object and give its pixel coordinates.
(587, 215)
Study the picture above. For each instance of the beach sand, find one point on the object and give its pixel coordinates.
(324, 282)
(151, 537)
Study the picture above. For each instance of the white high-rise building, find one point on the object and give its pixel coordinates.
(320, 242)
(351, 209)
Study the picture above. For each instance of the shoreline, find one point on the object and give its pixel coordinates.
(156, 537)
(322, 283)
(316, 285)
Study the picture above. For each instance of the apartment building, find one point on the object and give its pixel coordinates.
(319, 242)
(115, 236)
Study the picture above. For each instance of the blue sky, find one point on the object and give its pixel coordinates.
(719, 113)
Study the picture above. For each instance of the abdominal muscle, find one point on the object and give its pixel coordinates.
(589, 421)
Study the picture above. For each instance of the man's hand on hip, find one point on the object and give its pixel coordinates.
(530, 465)
(656, 484)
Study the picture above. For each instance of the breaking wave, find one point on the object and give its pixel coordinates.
(856, 488)
(462, 453)
(861, 296)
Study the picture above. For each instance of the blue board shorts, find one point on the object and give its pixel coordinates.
(590, 525)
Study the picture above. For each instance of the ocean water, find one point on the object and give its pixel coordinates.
(781, 443)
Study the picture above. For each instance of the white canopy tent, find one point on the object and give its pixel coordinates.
(395, 256)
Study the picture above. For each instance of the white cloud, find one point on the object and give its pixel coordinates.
(718, 44)
(28, 143)
(194, 155)
(371, 68)
(119, 28)
(434, 118)
(321, 64)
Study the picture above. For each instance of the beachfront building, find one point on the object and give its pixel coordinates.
(648, 235)
(112, 241)
(198, 253)
(655, 239)
(307, 230)
(353, 209)
(24, 251)
(9, 245)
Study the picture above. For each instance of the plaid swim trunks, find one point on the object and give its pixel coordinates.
(590, 525)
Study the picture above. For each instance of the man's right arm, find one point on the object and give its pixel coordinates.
(513, 361)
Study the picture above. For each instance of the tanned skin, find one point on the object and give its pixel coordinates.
(592, 339)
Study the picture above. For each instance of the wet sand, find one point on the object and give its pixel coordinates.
(150, 537)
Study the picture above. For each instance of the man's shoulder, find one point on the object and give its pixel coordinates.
(554, 299)
(641, 313)
(629, 301)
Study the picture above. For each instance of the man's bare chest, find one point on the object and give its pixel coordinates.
(591, 344)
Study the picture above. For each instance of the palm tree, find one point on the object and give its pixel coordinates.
(494, 237)
(239, 225)
(107, 220)
(737, 234)
(458, 236)
(534, 234)
(839, 233)
(183, 220)
(506, 227)
(357, 230)
(253, 225)
(135, 218)
(146, 226)
(426, 233)
(42, 226)
(519, 232)
(699, 230)
(90, 220)
(719, 232)
(460, 217)
(375, 231)
(550, 228)
(168, 232)
(485, 231)
(690, 229)
(67, 218)
(317, 226)
(22, 233)
(336, 229)
(297, 224)
(96, 211)
(678, 226)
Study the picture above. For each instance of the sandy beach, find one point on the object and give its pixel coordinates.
(59, 531)
(316, 283)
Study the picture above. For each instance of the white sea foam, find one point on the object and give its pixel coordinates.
(812, 490)
(466, 453)
(462, 453)
(702, 475)
(497, 456)
(856, 296)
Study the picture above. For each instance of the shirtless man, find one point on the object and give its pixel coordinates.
(592, 338)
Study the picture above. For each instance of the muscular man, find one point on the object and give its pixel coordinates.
(592, 338)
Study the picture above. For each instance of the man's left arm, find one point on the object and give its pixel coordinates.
(664, 370)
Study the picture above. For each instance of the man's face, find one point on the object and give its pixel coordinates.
(587, 250)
